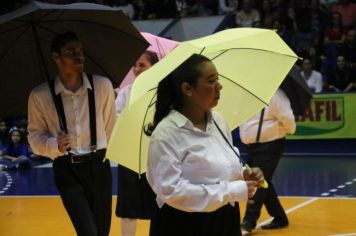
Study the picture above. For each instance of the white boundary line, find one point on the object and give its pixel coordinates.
(350, 234)
(290, 210)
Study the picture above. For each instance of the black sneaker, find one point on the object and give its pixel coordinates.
(275, 225)
(247, 226)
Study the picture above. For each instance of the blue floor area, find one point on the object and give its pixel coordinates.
(296, 176)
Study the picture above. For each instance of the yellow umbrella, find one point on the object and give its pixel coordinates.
(251, 64)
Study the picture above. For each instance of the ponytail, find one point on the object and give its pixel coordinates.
(165, 102)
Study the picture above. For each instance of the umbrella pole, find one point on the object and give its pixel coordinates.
(264, 184)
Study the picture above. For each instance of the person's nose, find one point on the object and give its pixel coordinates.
(219, 86)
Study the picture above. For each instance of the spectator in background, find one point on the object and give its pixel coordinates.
(347, 10)
(341, 77)
(333, 36)
(312, 77)
(3, 135)
(304, 36)
(318, 16)
(267, 14)
(348, 48)
(248, 15)
(315, 57)
(286, 35)
(290, 22)
(16, 155)
(227, 6)
(126, 7)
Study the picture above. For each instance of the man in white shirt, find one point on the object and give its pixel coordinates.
(70, 121)
(264, 138)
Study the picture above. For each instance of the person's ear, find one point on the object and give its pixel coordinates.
(186, 89)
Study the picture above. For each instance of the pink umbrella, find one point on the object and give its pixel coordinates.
(161, 46)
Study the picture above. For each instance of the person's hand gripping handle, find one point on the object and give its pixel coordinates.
(256, 175)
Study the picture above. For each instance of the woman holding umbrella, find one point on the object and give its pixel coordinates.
(191, 165)
(135, 197)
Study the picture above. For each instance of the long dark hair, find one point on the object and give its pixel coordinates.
(169, 94)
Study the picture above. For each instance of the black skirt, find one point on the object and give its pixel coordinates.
(225, 221)
(135, 198)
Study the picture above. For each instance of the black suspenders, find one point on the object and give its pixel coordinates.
(57, 99)
(260, 126)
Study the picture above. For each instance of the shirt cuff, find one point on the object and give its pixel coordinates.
(53, 147)
(239, 191)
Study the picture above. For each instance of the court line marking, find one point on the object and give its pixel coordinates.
(8, 182)
(290, 210)
(350, 234)
(287, 211)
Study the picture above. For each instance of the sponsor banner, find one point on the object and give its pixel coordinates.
(329, 116)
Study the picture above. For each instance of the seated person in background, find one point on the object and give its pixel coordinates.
(16, 154)
(348, 48)
(341, 77)
(247, 15)
(3, 134)
(312, 77)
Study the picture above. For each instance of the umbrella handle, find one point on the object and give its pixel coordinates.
(264, 184)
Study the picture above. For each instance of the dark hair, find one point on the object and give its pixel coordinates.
(15, 129)
(152, 57)
(60, 40)
(169, 94)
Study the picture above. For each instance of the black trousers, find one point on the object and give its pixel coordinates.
(86, 193)
(168, 221)
(266, 156)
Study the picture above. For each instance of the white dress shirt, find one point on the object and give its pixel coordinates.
(315, 81)
(43, 124)
(192, 170)
(278, 120)
(122, 98)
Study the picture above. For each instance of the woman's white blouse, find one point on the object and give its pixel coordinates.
(192, 170)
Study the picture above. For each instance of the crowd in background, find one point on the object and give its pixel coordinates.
(15, 152)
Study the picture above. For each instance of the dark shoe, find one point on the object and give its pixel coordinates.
(247, 226)
(274, 225)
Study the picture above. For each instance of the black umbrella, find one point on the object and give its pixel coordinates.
(297, 91)
(111, 43)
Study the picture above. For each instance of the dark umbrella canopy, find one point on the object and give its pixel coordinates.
(111, 45)
(297, 91)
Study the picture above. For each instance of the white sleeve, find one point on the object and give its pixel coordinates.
(280, 107)
(40, 140)
(122, 98)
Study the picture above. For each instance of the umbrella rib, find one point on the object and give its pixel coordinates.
(258, 49)
(13, 43)
(143, 126)
(14, 28)
(243, 88)
(201, 52)
(160, 49)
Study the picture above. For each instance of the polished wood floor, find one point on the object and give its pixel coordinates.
(29, 216)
